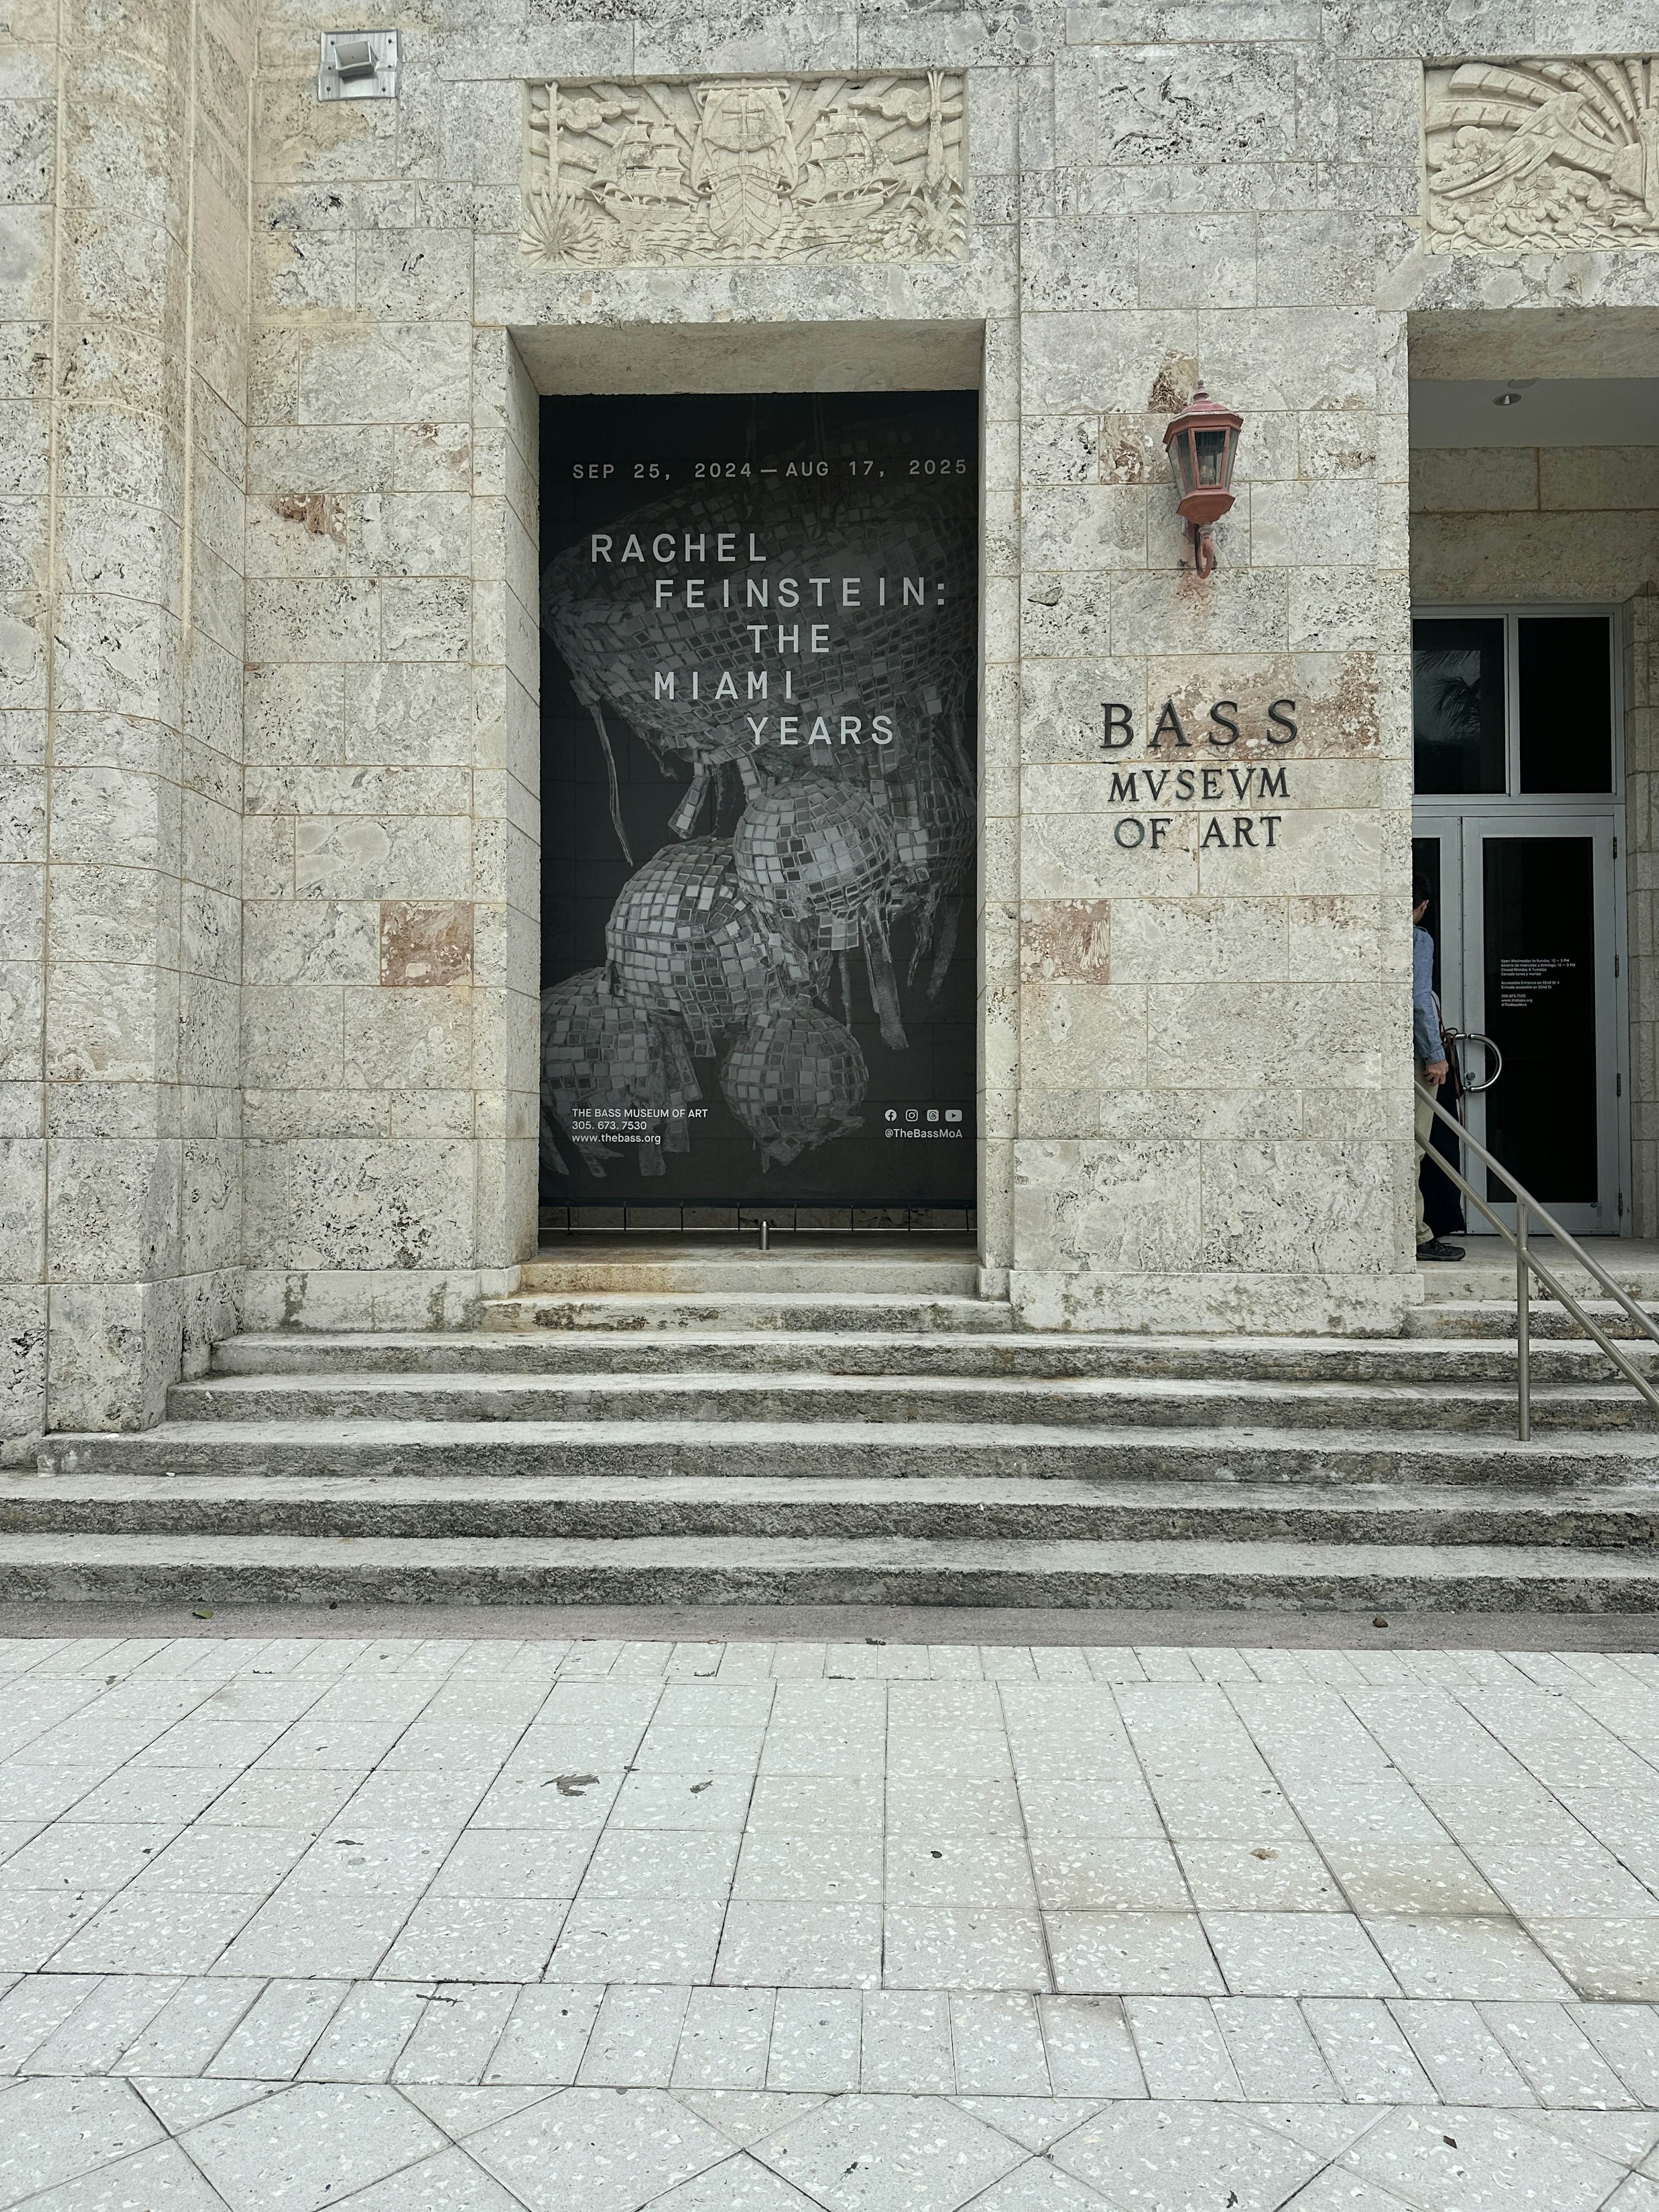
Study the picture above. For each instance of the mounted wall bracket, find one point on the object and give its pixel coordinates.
(358, 65)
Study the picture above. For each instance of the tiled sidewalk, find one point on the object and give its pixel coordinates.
(872, 1928)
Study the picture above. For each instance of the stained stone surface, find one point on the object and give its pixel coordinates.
(294, 1922)
(269, 645)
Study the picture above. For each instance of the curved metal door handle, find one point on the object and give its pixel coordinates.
(1495, 1060)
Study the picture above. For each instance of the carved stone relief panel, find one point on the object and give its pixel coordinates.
(722, 169)
(1543, 154)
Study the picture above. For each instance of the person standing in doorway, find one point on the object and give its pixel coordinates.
(1432, 1066)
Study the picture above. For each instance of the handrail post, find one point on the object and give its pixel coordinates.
(1523, 1320)
(1549, 1281)
(1637, 1313)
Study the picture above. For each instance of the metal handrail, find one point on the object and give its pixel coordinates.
(1527, 1265)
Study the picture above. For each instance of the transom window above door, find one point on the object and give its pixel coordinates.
(1514, 702)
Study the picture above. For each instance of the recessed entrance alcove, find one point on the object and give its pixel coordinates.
(758, 594)
(1534, 491)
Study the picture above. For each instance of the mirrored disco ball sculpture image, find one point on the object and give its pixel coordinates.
(794, 1079)
(688, 938)
(932, 811)
(612, 1077)
(614, 640)
(824, 855)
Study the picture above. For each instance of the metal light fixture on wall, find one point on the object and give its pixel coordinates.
(358, 65)
(1202, 443)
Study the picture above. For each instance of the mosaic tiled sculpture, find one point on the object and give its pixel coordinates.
(794, 1079)
(822, 851)
(932, 813)
(687, 937)
(602, 1058)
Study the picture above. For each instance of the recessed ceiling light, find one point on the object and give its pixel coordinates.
(1514, 392)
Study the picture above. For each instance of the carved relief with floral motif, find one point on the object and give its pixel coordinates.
(698, 172)
(1546, 154)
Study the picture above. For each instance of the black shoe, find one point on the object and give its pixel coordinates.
(1438, 1248)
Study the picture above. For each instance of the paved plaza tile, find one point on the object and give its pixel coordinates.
(413, 1925)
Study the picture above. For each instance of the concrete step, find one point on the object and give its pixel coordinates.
(951, 1305)
(1425, 1363)
(1099, 1402)
(938, 1508)
(844, 1430)
(1488, 1270)
(856, 1450)
(1446, 1319)
(646, 1267)
(823, 1571)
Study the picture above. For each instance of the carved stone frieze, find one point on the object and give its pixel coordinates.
(693, 172)
(1546, 154)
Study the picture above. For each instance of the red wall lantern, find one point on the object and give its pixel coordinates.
(1202, 444)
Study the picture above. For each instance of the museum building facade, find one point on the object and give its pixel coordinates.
(598, 637)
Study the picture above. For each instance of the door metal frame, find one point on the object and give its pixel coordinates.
(1519, 819)
(1461, 820)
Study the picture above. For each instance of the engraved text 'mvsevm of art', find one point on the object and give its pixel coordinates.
(746, 169)
(1543, 154)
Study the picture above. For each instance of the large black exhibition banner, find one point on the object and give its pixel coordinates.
(758, 795)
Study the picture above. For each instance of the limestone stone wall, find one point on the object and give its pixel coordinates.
(390, 1030)
(31, 187)
(124, 284)
(1191, 1113)
(1534, 523)
(270, 1009)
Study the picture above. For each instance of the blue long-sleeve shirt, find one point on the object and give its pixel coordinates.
(1425, 1015)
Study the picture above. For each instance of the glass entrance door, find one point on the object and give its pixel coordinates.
(1523, 923)
(1514, 717)
(1538, 981)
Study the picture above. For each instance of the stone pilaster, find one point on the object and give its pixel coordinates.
(29, 220)
(389, 1034)
(117, 678)
(128, 718)
(1214, 1089)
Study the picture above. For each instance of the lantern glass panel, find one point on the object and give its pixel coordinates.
(1181, 453)
(1210, 447)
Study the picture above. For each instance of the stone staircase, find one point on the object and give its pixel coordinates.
(650, 1426)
